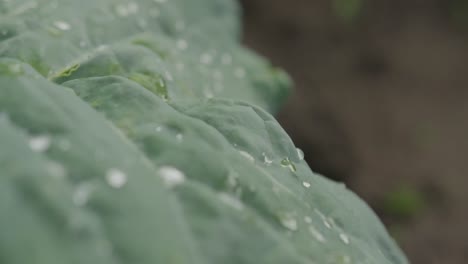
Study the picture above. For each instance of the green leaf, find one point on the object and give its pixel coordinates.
(127, 157)
(404, 202)
(459, 12)
(347, 10)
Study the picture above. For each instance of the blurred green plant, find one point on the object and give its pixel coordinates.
(459, 11)
(347, 10)
(404, 202)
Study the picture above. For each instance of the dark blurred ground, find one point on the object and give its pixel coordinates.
(381, 102)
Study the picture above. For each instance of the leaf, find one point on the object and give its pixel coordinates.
(103, 164)
(347, 10)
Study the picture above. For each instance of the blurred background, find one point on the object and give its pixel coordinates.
(381, 103)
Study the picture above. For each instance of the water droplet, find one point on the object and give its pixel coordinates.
(317, 235)
(240, 73)
(266, 160)
(159, 129)
(286, 163)
(308, 220)
(82, 193)
(171, 176)
(247, 156)
(231, 201)
(179, 137)
(306, 184)
(206, 58)
(325, 220)
(289, 222)
(101, 48)
(182, 44)
(344, 238)
(40, 143)
(300, 154)
(62, 25)
(116, 178)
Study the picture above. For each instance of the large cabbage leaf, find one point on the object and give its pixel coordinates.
(133, 132)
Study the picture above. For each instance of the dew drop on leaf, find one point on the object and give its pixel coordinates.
(266, 160)
(300, 154)
(171, 176)
(116, 178)
(344, 238)
(289, 222)
(62, 25)
(40, 143)
(316, 234)
(286, 163)
(247, 155)
(231, 201)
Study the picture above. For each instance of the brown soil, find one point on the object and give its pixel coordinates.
(379, 103)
